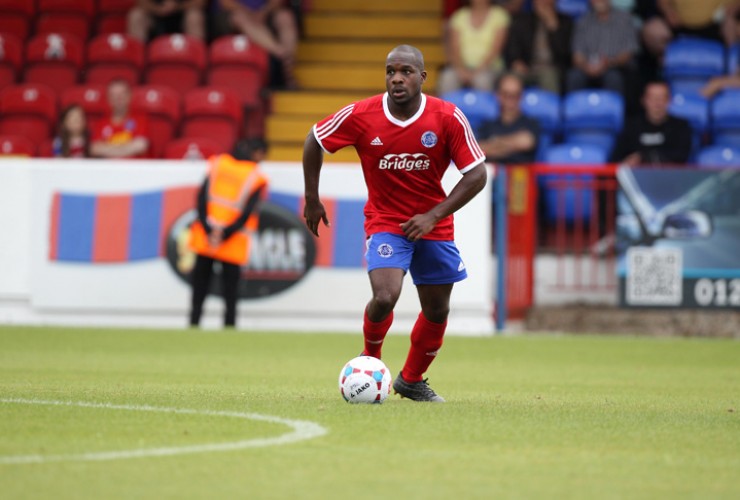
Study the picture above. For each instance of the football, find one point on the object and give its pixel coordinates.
(365, 379)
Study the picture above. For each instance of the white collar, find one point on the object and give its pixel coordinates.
(402, 123)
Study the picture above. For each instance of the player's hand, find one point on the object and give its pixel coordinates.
(418, 225)
(314, 212)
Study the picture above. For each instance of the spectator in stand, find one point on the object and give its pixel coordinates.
(719, 83)
(511, 138)
(476, 35)
(269, 23)
(656, 137)
(121, 135)
(538, 47)
(604, 47)
(151, 18)
(513, 7)
(73, 136)
(712, 19)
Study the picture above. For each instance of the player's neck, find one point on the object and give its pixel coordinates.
(406, 110)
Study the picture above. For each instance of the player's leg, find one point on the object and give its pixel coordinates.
(201, 281)
(230, 284)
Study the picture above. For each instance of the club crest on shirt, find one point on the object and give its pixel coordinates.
(429, 139)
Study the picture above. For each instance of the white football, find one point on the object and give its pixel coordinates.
(365, 379)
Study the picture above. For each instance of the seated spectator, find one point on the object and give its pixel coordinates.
(73, 137)
(719, 83)
(121, 135)
(538, 47)
(512, 137)
(712, 19)
(513, 6)
(604, 47)
(656, 137)
(476, 35)
(151, 18)
(269, 24)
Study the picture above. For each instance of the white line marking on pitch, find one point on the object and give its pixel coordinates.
(302, 430)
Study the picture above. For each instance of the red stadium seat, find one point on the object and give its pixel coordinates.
(238, 64)
(16, 17)
(16, 145)
(192, 148)
(214, 113)
(112, 16)
(177, 61)
(162, 107)
(11, 59)
(65, 16)
(54, 59)
(114, 56)
(29, 110)
(91, 97)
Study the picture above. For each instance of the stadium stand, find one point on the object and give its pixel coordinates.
(718, 157)
(695, 109)
(214, 113)
(162, 106)
(114, 56)
(16, 145)
(111, 16)
(544, 106)
(724, 111)
(478, 105)
(240, 65)
(72, 17)
(16, 17)
(732, 61)
(11, 59)
(572, 8)
(192, 148)
(177, 61)
(689, 62)
(54, 59)
(90, 96)
(29, 110)
(593, 117)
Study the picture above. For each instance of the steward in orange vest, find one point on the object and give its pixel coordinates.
(227, 217)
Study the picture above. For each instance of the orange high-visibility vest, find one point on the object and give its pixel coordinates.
(231, 183)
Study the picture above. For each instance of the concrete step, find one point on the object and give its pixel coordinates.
(348, 77)
(386, 27)
(370, 52)
(318, 104)
(289, 128)
(356, 6)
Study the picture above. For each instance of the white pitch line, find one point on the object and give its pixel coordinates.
(302, 430)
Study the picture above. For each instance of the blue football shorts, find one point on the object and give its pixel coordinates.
(431, 262)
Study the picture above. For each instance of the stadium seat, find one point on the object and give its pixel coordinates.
(29, 110)
(724, 111)
(593, 117)
(573, 8)
(544, 106)
(72, 17)
(240, 65)
(177, 61)
(11, 59)
(695, 109)
(16, 18)
(570, 203)
(161, 105)
(16, 145)
(732, 61)
(689, 62)
(192, 148)
(112, 15)
(54, 59)
(91, 97)
(114, 56)
(478, 105)
(214, 113)
(718, 157)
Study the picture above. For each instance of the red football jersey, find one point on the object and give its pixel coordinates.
(121, 133)
(403, 161)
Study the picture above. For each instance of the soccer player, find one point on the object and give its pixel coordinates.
(405, 140)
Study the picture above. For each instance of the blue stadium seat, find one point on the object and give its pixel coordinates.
(544, 106)
(593, 117)
(573, 8)
(733, 58)
(718, 157)
(569, 202)
(477, 105)
(695, 109)
(689, 62)
(724, 111)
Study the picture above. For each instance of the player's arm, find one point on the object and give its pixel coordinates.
(313, 159)
(472, 182)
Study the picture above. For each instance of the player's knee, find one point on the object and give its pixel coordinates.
(437, 314)
(385, 300)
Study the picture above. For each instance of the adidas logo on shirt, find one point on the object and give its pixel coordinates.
(376, 142)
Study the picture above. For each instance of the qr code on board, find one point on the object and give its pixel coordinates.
(654, 276)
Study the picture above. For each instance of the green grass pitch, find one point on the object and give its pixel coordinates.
(537, 416)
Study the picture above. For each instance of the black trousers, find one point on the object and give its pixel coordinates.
(201, 281)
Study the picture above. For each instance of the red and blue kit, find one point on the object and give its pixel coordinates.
(403, 161)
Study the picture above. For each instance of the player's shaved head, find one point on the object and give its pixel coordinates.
(408, 52)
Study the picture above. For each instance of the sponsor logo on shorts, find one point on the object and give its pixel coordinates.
(385, 250)
(429, 139)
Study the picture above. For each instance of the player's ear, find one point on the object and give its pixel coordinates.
(423, 76)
